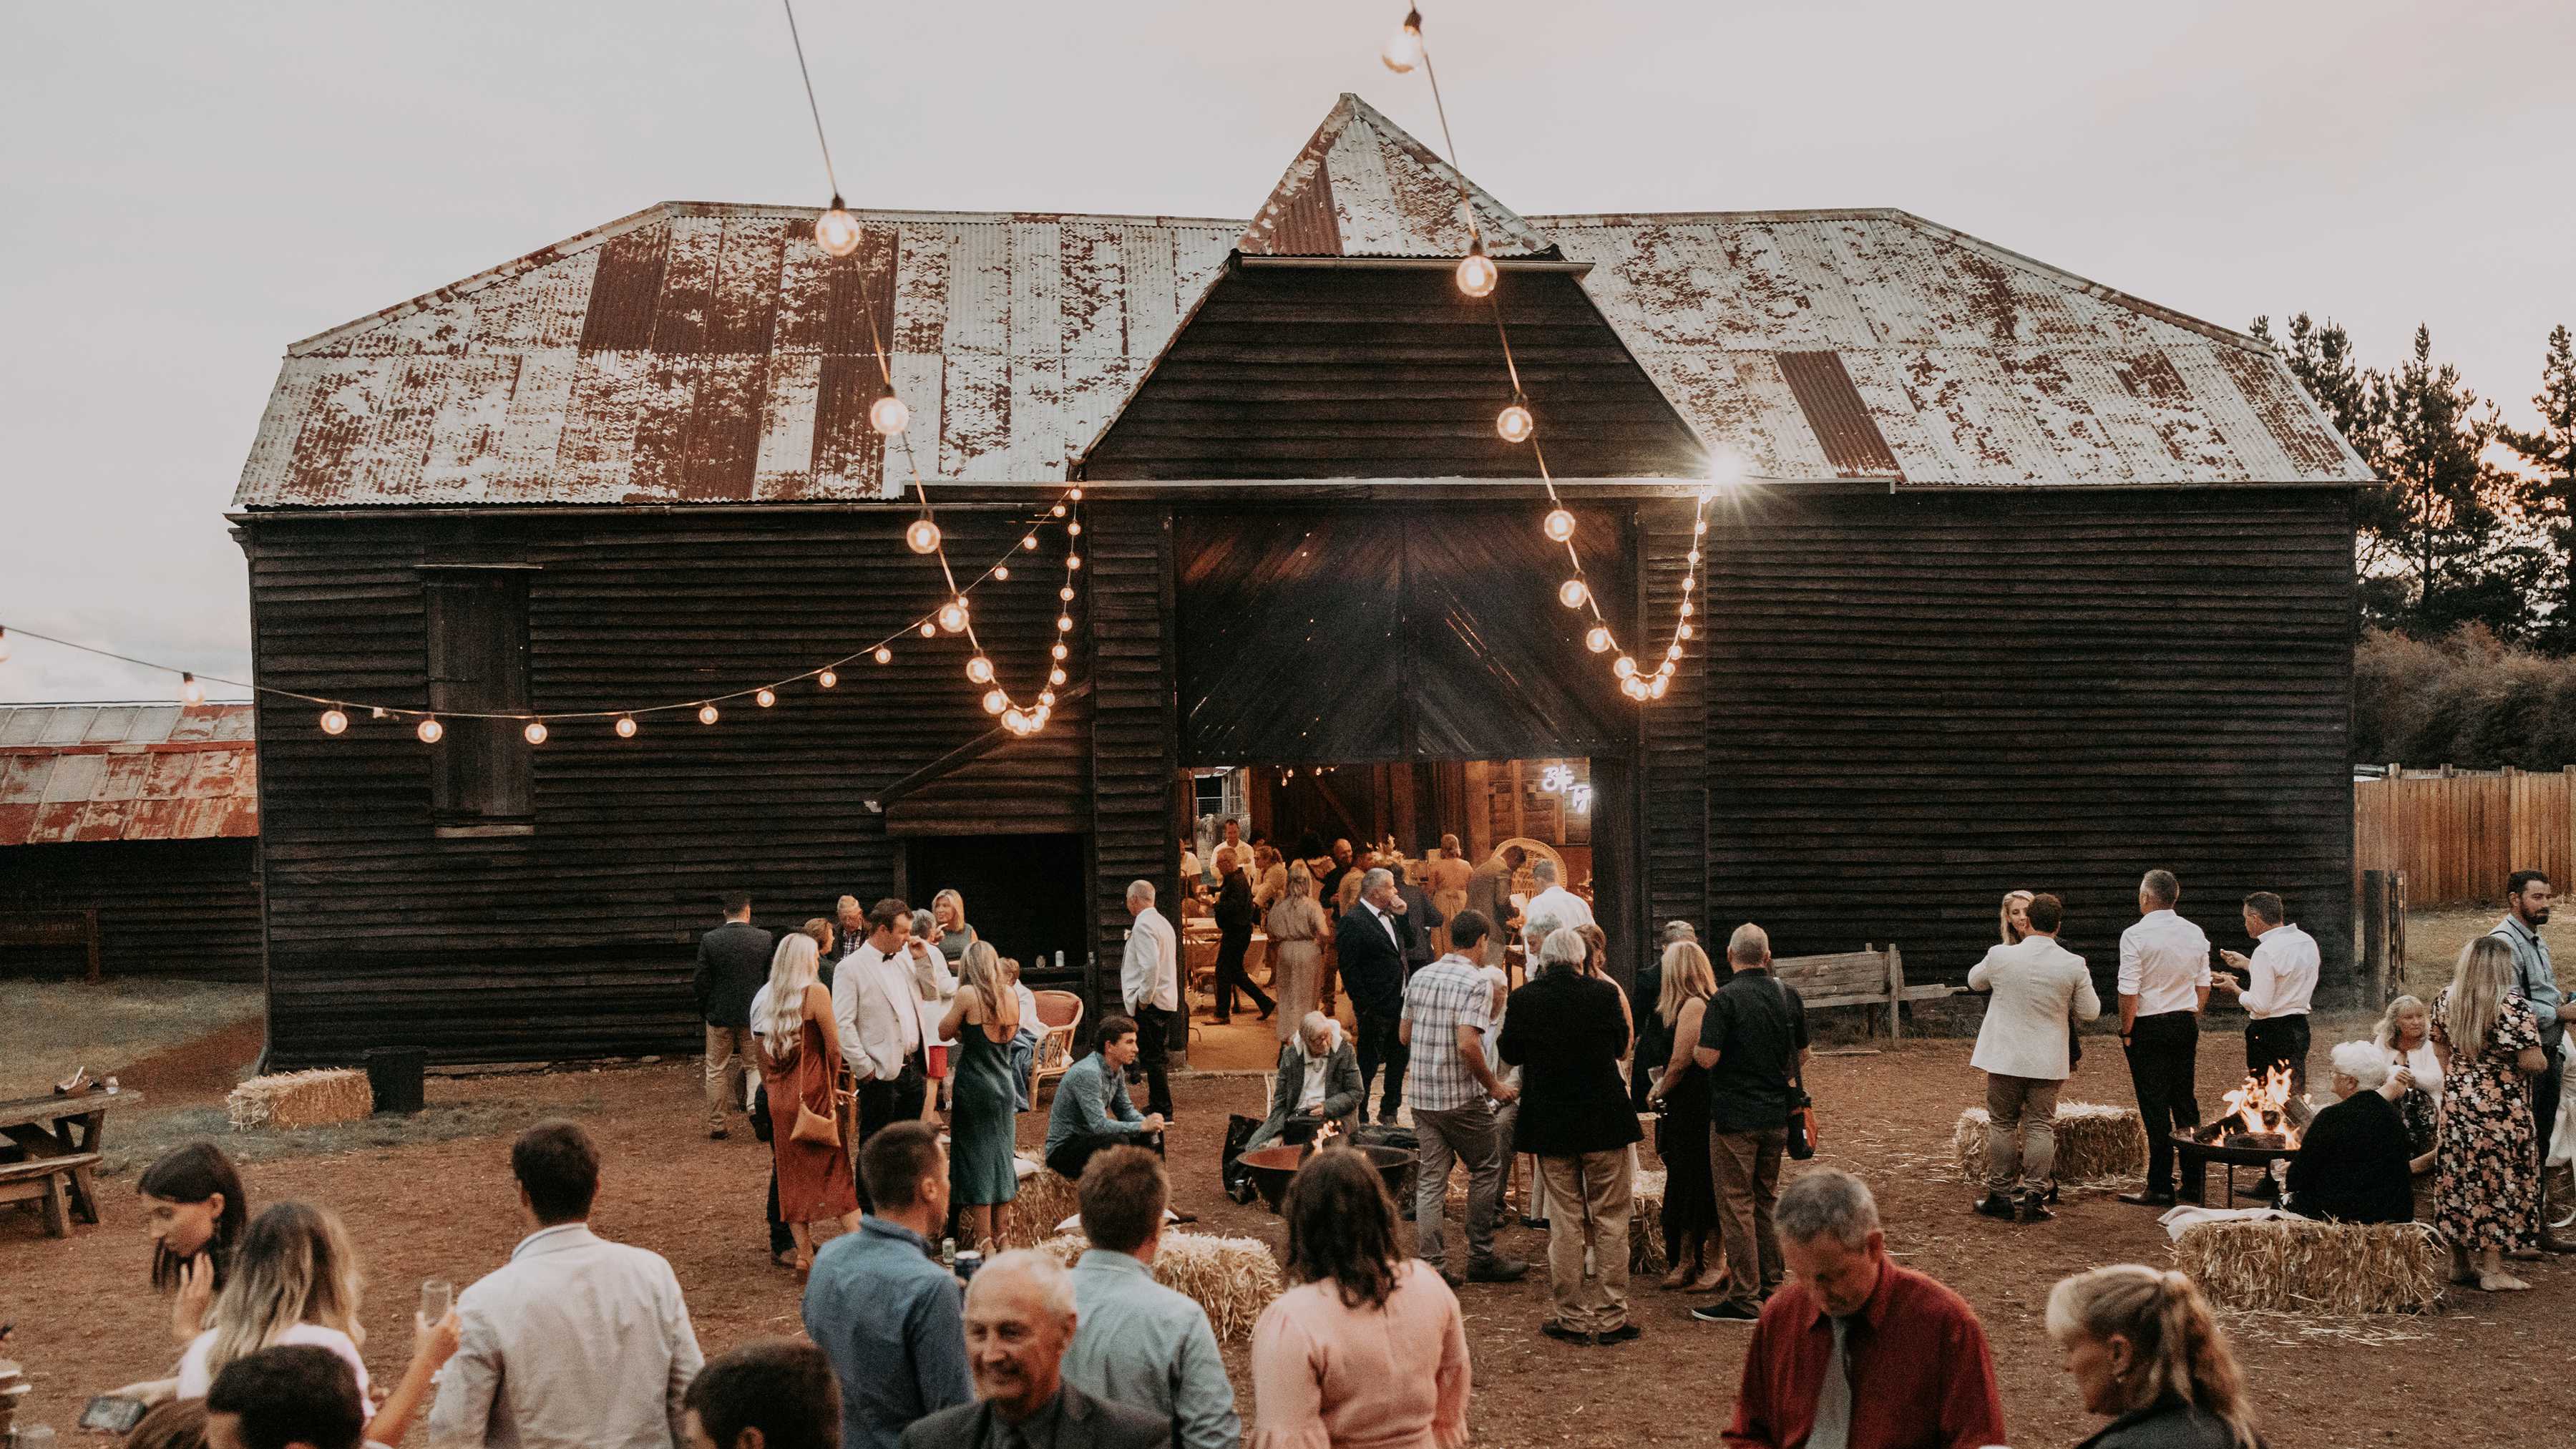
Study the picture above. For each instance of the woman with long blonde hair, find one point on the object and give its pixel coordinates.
(1298, 930)
(2486, 1184)
(2146, 1353)
(1680, 1097)
(800, 1046)
(295, 1280)
(983, 1176)
(2013, 917)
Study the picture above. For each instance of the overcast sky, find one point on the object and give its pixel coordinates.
(189, 187)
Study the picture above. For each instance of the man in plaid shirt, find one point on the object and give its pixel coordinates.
(1453, 1090)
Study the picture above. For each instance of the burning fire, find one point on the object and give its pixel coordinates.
(1325, 1134)
(2263, 1106)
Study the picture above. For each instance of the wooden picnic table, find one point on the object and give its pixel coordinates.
(65, 1129)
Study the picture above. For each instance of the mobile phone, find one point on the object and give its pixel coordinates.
(113, 1413)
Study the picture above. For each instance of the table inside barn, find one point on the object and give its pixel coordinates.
(52, 1137)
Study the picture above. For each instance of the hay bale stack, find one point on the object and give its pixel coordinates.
(1645, 1224)
(1046, 1198)
(2298, 1264)
(292, 1100)
(1234, 1279)
(2097, 1146)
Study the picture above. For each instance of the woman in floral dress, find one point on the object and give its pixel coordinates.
(2486, 1192)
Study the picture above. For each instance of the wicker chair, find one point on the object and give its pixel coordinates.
(1059, 1016)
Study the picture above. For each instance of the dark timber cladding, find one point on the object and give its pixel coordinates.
(577, 937)
(1919, 702)
(1360, 370)
(165, 907)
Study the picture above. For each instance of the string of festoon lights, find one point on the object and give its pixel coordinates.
(1479, 278)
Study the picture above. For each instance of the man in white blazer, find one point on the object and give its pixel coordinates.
(2039, 988)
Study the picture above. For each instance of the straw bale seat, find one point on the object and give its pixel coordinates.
(1232, 1278)
(289, 1101)
(2302, 1265)
(2097, 1146)
(1047, 1197)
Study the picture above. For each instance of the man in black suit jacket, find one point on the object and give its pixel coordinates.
(1370, 942)
(1234, 918)
(1419, 918)
(733, 962)
(1567, 1033)
(1019, 1319)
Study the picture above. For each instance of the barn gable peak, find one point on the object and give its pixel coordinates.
(1363, 186)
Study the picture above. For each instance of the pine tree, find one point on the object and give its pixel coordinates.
(2451, 506)
(2549, 497)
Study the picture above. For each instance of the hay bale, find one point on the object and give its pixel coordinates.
(2097, 1146)
(288, 1101)
(1645, 1224)
(1047, 1197)
(1234, 1279)
(2286, 1264)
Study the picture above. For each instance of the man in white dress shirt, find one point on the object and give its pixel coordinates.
(577, 1341)
(1149, 983)
(2039, 988)
(1552, 903)
(2164, 986)
(876, 1007)
(2280, 977)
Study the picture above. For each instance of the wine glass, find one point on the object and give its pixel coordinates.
(437, 1300)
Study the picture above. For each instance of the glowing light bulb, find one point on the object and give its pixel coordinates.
(1476, 272)
(883, 655)
(1688, 608)
(1404, 48)
(536, 732)
(1029, 542)
(828, 678)
(1015, 720)
(1073, 529)
(1057, 511)
(1598, 641)
(929, 630)
(429, 731)
(1073, 560)
(190, 691)
(1063, 623)
(1075, 495)
(1692, 556)
(1059, 651)
(1673, 652)
(1725, 470)
(1572, 593)
(952, 615)
(1688, 583)
(626, 726)
(1625, 667)
(706, 714)
(1046, 697)
(334, 722)
(836, 231)
(1662, 683)
(1001, 572)
(1065, 593)
(1038, 720)
(765, 698)
(1515, 424)
(980, 669)
(995, 701)
(889, 415)
(1559, 525)
(1055, 676)
(1686, 631)
(1700, 528)
(922, 536)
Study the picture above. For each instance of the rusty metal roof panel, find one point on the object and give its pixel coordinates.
(1364, 187)
(89, 773)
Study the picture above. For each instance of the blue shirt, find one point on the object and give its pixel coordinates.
(1138, 1343)
(893, 1322)
(2537, 980)
(1084, 1100)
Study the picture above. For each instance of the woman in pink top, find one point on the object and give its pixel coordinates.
(1369, 1351)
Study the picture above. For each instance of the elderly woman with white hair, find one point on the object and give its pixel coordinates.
(2352, 1165)
(1319, 1082)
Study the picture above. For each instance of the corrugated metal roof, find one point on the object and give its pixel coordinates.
(712, 353)
(99, 772)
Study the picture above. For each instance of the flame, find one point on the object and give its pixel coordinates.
(1326, 1133)
(2262, 1106)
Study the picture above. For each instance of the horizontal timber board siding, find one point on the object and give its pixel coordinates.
(165, 907)
(1919, 702)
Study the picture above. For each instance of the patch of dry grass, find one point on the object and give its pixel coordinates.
(49, 1027)
(2434, 939)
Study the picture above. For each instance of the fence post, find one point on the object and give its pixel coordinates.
(2374, 935)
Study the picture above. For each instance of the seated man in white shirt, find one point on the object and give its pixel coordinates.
(2280, 977)
(576, 1341)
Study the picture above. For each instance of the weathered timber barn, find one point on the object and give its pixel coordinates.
(129, 841)
(2035, 584)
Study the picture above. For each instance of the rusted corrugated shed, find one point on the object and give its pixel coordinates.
(99, 772)
(712, 353)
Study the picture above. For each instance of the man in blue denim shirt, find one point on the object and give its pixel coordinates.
(2527, 898)
(890, 1317)
(1136, 1342)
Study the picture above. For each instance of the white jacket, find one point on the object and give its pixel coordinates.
(2040, 988)
(1150, 974)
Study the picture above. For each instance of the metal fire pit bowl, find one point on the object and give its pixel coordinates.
(1271, 1168)
(2198, 1155)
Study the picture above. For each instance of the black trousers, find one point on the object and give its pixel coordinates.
(780, 1240)
(2544, 1117)
(2280, 1041)
(1154, 1053)
(1232, 977)
(1377, 1047)
(1069, 1159)
(884, 1103)
(2164, 1051)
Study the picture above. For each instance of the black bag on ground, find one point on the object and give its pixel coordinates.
(1232, 1175)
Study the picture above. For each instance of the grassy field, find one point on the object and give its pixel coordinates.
(49, 1027)
(2434, 939)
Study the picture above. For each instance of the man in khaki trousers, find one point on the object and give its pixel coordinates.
(733, 964)
(2040, 988)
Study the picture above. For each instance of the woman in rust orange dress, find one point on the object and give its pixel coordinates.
(801, 1061)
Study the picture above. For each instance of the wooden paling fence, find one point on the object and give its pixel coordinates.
(2457, 834)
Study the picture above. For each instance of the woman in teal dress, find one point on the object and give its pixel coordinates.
(983, 1172)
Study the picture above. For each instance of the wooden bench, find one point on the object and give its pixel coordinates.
(52, 1183)
(53, 928)
(1867, 977)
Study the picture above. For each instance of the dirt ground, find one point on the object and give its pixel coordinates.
(443, 1207)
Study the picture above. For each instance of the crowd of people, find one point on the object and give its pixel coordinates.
(848, 1056)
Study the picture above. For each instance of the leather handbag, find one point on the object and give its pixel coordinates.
(1803, 1136)
(814, 1129)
